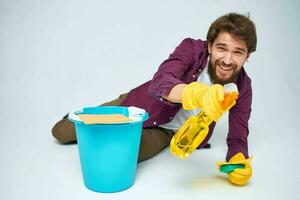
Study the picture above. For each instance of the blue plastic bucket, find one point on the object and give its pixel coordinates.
(108, 152)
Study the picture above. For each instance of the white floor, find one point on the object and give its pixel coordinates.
(56, 56)
(35, 166)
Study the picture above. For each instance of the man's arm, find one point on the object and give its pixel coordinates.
(239, 116)
(167, 82)
(175, 93)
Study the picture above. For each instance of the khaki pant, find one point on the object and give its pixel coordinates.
(153, 140)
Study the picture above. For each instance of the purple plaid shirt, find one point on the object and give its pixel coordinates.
(184, 66)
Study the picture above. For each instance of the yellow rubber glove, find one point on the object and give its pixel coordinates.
(209, 98)
(238, 176)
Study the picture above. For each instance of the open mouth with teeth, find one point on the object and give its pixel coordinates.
(224, 72)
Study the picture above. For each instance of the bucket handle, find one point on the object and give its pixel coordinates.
(73, 117)
(135, 112)
(143, 116)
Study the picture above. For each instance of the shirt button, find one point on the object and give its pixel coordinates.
(194, 76)
(161, 99)
(154, 123)
(171, 117)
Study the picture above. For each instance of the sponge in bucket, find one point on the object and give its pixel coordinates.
(104, 118)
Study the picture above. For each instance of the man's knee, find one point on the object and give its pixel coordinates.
(64, 131)
(153, 141)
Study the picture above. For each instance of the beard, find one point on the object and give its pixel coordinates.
(212, 71)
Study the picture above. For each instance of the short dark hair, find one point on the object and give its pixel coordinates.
(237, 25)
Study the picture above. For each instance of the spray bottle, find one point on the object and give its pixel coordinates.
(195, 129)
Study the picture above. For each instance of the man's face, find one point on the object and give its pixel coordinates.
(227, 56)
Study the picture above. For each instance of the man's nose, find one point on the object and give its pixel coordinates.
(228, 58)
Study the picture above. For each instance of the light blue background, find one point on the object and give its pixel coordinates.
(57, 56)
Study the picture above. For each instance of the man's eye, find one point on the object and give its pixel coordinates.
(221, 49)
(238, 53)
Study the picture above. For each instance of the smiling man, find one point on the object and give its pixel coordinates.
(192, 79)
(228, 55)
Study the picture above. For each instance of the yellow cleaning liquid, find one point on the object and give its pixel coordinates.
(193, 132)
(190, 135)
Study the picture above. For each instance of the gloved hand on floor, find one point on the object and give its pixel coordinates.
(209, 98)
(238, 176)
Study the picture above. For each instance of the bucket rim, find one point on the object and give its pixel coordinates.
(73, 115)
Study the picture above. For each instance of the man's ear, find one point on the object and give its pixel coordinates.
(209, 48)
(248, 55)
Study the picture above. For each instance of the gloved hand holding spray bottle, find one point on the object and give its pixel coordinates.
(214, 101)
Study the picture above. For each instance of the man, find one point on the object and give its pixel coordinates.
(189, 80)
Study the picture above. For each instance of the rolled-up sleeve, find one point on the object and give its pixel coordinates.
(238, 124)
(172, 70)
